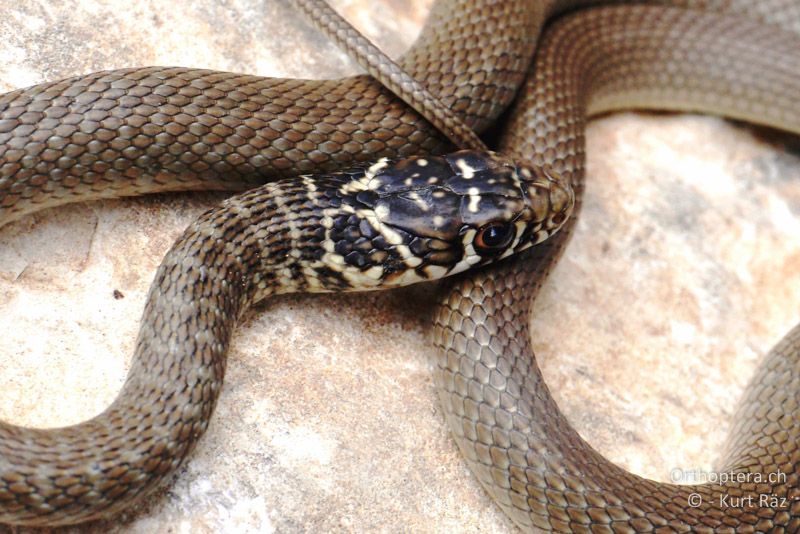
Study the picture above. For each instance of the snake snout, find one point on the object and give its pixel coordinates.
(562, 200)
(550, 199)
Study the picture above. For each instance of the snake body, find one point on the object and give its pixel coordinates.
(141, 130)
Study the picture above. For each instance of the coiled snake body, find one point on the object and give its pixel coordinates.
(511, 432)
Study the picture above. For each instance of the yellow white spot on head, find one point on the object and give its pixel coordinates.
(413, 261)
(376, 167)
(374, 272)
(409, 276)
(467, 171)
(436, 271)
(540, 236)
(419, 201)
(470, 258)
(520, 226)
(391, 237)
(422, 162)
(474, 201)
(369, 181)
(407, 255)
(382, 211)
(433, 180)
(438, 220)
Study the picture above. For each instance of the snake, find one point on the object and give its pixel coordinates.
(135, 131)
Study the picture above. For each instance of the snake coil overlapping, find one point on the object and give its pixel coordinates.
(142, 130)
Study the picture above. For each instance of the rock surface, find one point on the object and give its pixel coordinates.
(679, 277)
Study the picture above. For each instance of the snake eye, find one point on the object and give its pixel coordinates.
(494, 237)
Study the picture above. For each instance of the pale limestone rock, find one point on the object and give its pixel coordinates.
(678, 279)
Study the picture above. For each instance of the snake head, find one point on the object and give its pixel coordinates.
(435, 216)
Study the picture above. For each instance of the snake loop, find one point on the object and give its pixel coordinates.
(135, 131)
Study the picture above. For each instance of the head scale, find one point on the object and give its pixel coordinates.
(439, 215)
